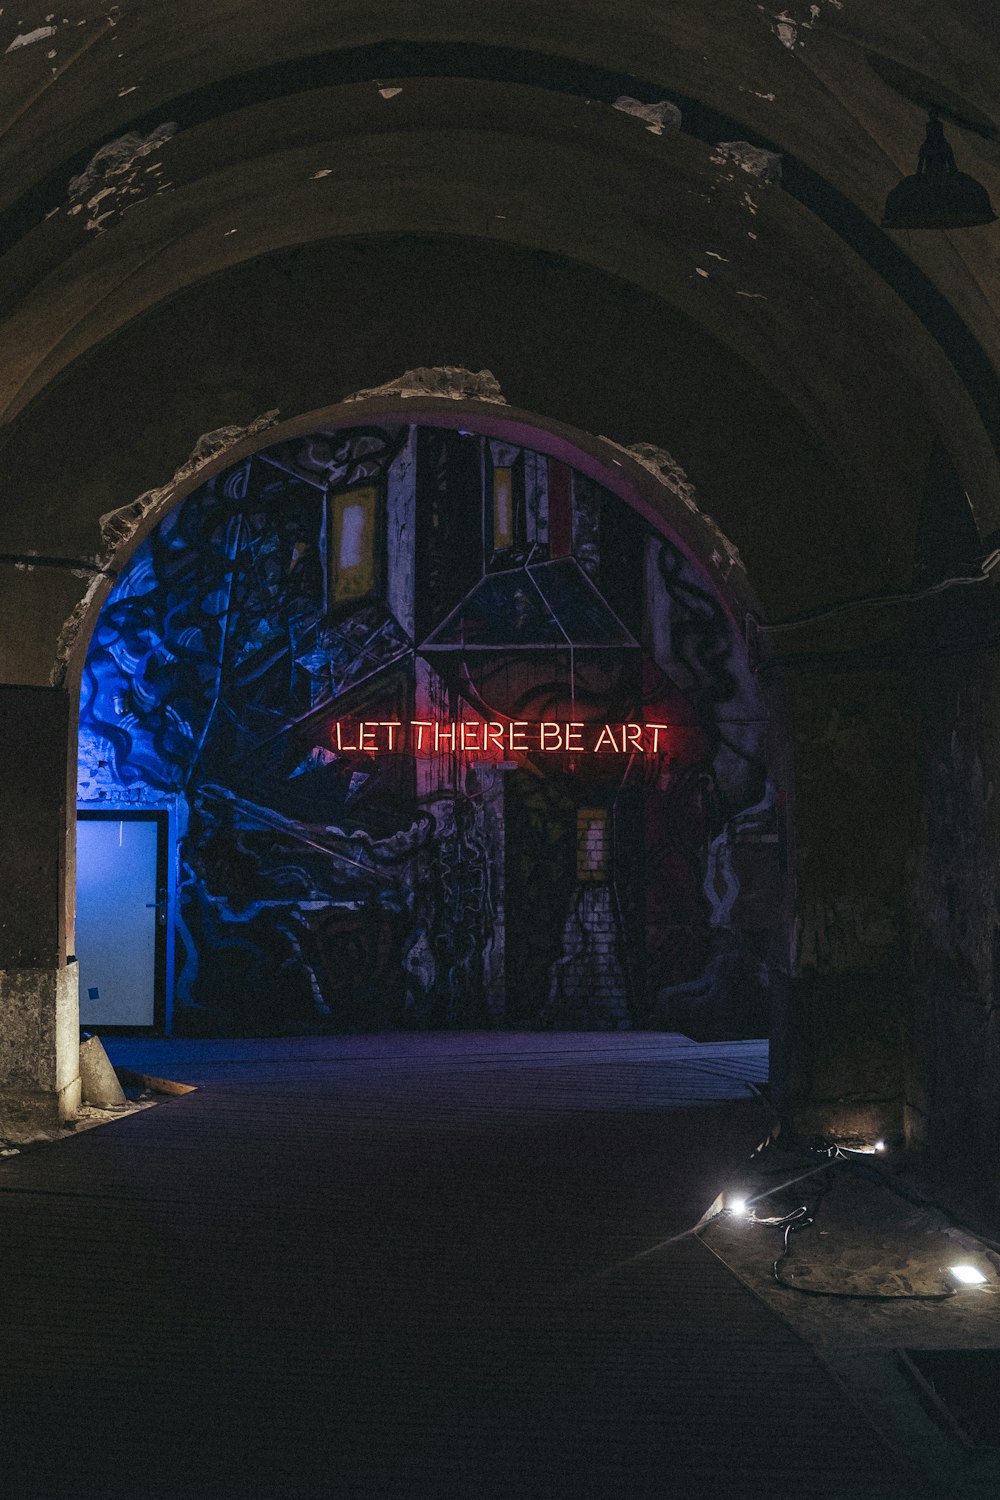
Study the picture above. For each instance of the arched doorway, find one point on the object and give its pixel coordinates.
(441, 730)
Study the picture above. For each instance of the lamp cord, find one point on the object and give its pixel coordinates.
(824, 612)
(803, 1216)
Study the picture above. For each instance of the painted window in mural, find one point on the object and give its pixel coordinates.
(584, 835)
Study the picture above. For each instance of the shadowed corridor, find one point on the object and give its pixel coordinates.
(366, 1266)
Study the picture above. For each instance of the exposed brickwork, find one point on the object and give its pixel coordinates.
(589, 980)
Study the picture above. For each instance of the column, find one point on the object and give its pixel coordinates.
(39, 1003)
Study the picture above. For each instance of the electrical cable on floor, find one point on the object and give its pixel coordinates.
(803, 1216)
(792, 1222)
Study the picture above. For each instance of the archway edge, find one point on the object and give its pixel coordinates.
(648, 479)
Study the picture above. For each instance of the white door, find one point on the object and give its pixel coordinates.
(120, 915)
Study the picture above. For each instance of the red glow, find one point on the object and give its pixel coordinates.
(495, 739)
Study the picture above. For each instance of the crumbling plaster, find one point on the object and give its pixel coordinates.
(668, 472)
(332, 318)
(449, 381)
(119, 174)
(821, 102)
(122, 527)
(658, 212)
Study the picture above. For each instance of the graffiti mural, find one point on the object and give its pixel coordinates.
(449, 877)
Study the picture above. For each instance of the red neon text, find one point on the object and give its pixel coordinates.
(495, 739)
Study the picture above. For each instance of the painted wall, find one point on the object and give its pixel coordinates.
(392, 573)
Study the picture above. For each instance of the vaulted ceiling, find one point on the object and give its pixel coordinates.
(320, 194)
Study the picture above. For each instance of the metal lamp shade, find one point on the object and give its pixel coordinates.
(938, 200)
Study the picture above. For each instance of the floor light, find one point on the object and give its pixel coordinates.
(968, 1275)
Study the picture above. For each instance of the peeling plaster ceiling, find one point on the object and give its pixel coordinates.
(728, 162)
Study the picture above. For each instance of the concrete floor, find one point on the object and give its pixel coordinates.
(402, 1266)
(866, 1283)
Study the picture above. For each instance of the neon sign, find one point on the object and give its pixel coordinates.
(496, 739)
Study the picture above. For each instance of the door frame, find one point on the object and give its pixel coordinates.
(161, 817)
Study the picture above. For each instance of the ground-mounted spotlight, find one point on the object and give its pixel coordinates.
(880, 1145)
(938, 195)
(737, 1206)
(968, 1275)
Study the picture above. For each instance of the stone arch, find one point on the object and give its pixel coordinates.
(646, 478)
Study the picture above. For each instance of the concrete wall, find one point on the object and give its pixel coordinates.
(39, 1042)
(848, 1019)
(953, 1093)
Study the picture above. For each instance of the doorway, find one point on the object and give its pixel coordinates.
(122, 919)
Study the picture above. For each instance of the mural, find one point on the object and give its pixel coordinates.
(396, 575)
